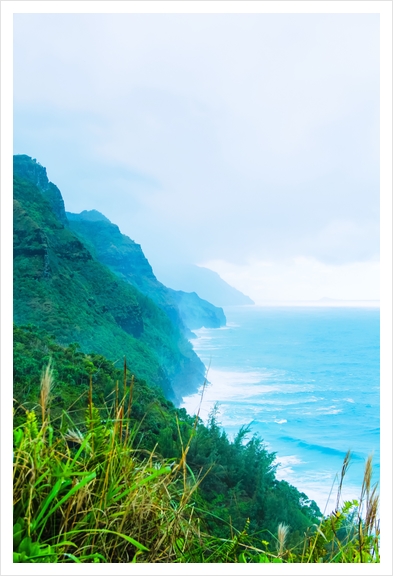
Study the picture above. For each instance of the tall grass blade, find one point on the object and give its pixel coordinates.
(159, 472)
(105, 531)
(74, 489)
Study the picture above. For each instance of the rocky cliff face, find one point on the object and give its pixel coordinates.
(124, 257)
(192, 309)
(29, 169)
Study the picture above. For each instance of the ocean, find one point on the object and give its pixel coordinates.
(306, 379)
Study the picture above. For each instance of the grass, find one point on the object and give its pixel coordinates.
(90, 494)
(350, 534)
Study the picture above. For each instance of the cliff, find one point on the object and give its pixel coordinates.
(60, 286)
(126, 259)
(29, 169)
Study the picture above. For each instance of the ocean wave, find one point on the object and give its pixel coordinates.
(288, 460)
(330, 410)
(285, 463)
(210, 348)
(268, 371)
(228, 389)
(320, 448)
(230, 378)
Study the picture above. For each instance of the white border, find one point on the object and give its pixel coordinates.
(384, 8)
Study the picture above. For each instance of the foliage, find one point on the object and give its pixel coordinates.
(89, 496)
(241, 486)
(351, 532)
(72, 370)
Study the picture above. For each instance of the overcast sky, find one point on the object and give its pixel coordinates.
(247, 143)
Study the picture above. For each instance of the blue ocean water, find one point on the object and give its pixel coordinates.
(307, 379)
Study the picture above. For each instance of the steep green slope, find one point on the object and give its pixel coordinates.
(61, 287)
(126, 259)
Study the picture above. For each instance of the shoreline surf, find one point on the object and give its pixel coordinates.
(305, 380)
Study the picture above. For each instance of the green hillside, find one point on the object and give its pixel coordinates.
(61, 287)
(126, 259)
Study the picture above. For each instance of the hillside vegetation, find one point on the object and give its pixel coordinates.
(121, 475)
(61, 287)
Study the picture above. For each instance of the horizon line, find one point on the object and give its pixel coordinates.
(322, 303)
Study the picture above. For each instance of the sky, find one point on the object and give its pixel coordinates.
(247, 143)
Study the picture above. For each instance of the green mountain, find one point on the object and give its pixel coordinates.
(207, 283)
(61, 287)
(126, 259)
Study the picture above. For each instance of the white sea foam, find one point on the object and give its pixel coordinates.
(285, 463)
(282, 421)
(323, 490)
(249, 391)
(329, 410)
(288, 460)
(229, 387)
(320, 486)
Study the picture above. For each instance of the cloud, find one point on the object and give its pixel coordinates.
(210, 137)
(301, 279)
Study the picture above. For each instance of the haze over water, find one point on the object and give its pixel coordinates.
(307, 379)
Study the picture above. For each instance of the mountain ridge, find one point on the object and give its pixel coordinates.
(126, 259)
(207, 283)
(59, 286)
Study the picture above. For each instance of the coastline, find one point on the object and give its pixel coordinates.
(289, 408)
